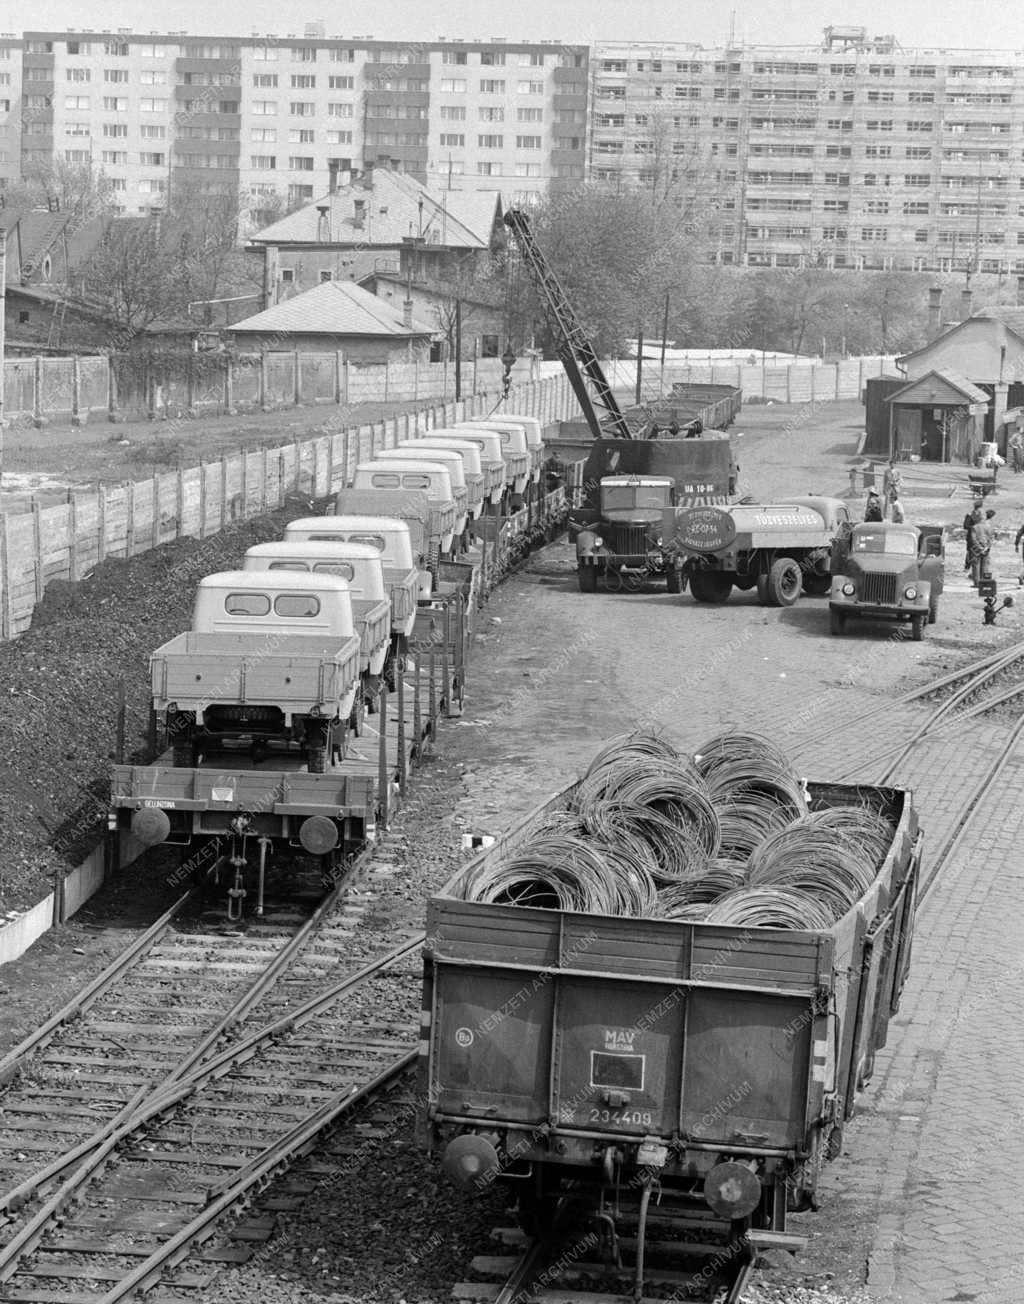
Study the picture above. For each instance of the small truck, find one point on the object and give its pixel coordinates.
(779, 548)
(888, 572)
(425, 477)
(271, 664)
(360, 566)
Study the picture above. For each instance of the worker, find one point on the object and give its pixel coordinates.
(970, 520)
(1018, 540)
(896, 512)
(873, 506)
(892, 483)
(982, 537)
(1016, 447)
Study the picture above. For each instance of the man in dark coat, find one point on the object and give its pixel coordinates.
(970, 521)
(873, 506)
(982, 537)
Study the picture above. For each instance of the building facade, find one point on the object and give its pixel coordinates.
(271, 116)
(855, 153)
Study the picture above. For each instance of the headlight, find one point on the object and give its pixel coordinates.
(658, 541)
(910, 593)
(848, 589)
(598, 541)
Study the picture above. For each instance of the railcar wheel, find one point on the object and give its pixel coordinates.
(710, 586)
(836, 621)
(784, 582)
(917, 622)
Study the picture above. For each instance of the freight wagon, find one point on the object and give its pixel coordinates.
(616, 1056)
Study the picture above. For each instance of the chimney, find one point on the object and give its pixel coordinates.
(332, 178)
(965, 304)
(367, 177)
(934, 311)
(323, 224)
(358, 213)
(407, 314)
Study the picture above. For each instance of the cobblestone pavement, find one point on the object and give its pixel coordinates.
(929, 1174)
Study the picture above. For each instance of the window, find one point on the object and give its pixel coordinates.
(263, 135)
(877, 151)
(490, 86)
(879, 206)
(268, 108)
(287, 276)
(115, 75)
(116, 49)
(537, 88)
(298, 193)
(922, 70)
(264, 79)
(687, 93)
(837, 178)
(152, 187)
(158, 51)
(265, 54)
(530, 61)
(116, 157)
(339, 83)
(301, 163)
(78, 47)
(453, 56)
(490, 142)
(611, 119)
(492, 59)
(302, 108)
(339, 138)
(304, 54)
(613, 65)
(115, 130)
(152, 78)
(152, 106)
(340, 111)
(916, 208)
(453, 85)
(488, 170)
(492, 115)
(838, 151)
(342, 56)
(840, 124)
(874, 234)
(247, 604)
(262, 162)
(836, 205)
(879, 124)
(303, 81)
(453, 113)
(607, 146)
(921, 97)
(918, 151)
(453, 139)
(150, 160)
(640, 120)
(920, 125)
(880, 97)
(76, 101)
(528, 142)
(529, 115)
(527, 169)
(917, 179)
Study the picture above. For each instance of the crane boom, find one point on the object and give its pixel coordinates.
(574, 349)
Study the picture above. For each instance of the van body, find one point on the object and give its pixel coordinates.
(456, 472)
(360, 566)
(429, 477)
(514, 449)
(472, 467)
(534, 429)
(491, 453)
(392, 539)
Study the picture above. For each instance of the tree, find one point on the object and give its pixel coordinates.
(133, 277)
(76, 188)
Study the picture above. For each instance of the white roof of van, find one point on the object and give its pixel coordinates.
(274, 580)
(339, 548)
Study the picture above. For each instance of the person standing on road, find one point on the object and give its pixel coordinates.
(982, 537)
(896, 512)
(1018, 538)
(892, 484)
(1016, 446)
(970, 521)
(873, 506)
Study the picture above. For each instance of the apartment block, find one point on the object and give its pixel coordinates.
(854, 153)
(273, 116)
(10, 108)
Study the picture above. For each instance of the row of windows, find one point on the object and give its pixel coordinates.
(457, 140)
(457, 113)
(494, 58)
(302, 81)
(489, 86)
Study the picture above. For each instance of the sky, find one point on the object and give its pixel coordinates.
(914, 23)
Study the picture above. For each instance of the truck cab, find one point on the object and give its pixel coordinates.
(888, 572)
(428, 477)
(391, 538)
(471, 469)
(502, 477)
(360, 566)
(514, 449)
(626, 535)
(534, 431)
(271, 662)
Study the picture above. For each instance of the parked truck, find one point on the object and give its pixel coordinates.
(890, 572)
(780, 549)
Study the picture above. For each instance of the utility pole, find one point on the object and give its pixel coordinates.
(664, 332)
(639, 361)
(458, 350)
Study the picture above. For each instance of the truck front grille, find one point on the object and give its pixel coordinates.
(626, 540)
(878, 588)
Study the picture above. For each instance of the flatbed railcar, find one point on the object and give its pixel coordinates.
(613, 1056)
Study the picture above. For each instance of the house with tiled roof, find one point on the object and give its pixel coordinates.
(337, 316)
(382, 221)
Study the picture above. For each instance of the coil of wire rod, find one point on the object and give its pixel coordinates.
(678, 900)
(770, 908)
(679, 796)
(640, 745)
(831, 864)
(674, 851)
(754, 787)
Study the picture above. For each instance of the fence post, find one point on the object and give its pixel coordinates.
(129, 531)
(6, 610)
(860, 375)
(229, 387)
(387, 377)
(156, 510)
(263, 481)
(37, 397)
(814, 370)
(179, 504)
(403, 760)
(72, 536)
(264, 387)
(245, 485)
(76, 391)
(223, 490)
(789, 377)
(296, 379)
(839, 369)
(383, 781)
(202, 498)
(101, 523)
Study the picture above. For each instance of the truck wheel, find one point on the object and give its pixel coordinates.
(762, 591)
(836, 621)
(710, 586)
(816, 584)
(933, 610)
(784, 582)
(587, 576)
(674, 580)
(917, 622)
